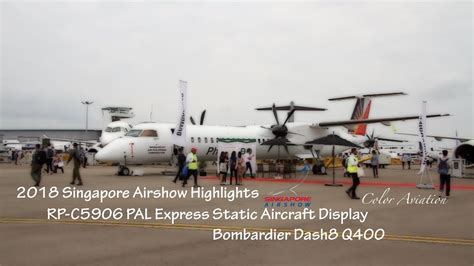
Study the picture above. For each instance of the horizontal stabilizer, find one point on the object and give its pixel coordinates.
(367, 96)
(372, 120)
(288, 108)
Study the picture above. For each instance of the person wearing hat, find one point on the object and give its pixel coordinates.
(192, 161)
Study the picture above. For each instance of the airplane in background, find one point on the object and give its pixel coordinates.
(463, 149)
(114, 128)
(153, 142)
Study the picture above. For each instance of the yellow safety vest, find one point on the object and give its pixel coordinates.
(191, 165)
(352, 168)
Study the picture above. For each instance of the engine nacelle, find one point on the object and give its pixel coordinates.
(465, 151)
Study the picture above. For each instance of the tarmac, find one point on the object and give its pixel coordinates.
(415, 234)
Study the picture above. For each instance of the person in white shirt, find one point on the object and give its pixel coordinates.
(248, 162)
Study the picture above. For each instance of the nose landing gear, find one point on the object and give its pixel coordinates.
(123, 170)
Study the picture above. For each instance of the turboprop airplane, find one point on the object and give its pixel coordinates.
(153, 142)
(463, 149)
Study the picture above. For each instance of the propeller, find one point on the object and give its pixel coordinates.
(201, 122)
(280, 131)
(371, 140)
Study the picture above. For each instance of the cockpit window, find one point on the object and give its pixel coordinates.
(108, 129)
(116, 129)
(134, 133)
(149, 133)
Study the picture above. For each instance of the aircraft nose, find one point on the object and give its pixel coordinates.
(113, 152)
(102, 155)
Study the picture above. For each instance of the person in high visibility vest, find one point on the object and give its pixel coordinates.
(352, 167)
(192, 161)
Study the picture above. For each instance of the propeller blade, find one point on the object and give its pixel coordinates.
(373, 130)
(289, 132)
(275, 114)
(269, 148)
(265, 127)
(289, 115)
(286, 148)
(279, 142)
(203, 114)
(192, 120)
(394, 140)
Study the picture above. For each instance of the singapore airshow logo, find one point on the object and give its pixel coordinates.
(284, 201)
(294, 200)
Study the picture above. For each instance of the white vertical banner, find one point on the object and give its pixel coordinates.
(179, 136)
(422, 135)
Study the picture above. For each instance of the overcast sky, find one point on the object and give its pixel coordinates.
(235, 57)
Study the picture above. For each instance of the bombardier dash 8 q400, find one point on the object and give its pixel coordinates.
(153, 142)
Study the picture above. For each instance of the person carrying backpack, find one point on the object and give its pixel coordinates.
(444, 176)
(75, 155)
(37, 161)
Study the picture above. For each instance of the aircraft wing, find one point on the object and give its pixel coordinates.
(89, 142)
(371, 120)
(436, 137)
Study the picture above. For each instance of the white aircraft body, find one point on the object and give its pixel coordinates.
(153, 142)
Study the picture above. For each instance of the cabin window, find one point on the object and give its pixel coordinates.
(149, 133)
(205, 140)
(212, 140)
(134, 133)
(199, 139)
(192, 139)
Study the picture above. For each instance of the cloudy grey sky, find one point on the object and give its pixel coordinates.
(235, 56)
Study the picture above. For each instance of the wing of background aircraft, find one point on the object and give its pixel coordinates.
(437, 137)
(89, 142)
(371, 121)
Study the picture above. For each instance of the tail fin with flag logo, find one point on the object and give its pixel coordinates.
(362, 109)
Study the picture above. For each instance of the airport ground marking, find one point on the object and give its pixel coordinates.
(205, 227)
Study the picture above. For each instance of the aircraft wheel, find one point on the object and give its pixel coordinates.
(126, 171)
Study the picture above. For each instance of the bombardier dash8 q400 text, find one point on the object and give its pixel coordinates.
(153, 142)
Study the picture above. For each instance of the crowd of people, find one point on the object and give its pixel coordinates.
(235, 166)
